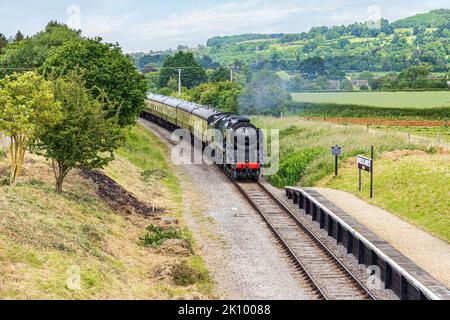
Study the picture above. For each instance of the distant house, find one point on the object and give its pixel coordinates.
(360, 83)
(335, 84)
(149, 70)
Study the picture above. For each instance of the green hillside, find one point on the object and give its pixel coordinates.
(389, 47)
(432, 19)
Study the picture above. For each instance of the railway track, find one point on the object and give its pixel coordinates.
(328, 277)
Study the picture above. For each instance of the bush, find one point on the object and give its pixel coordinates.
(156, 236)
(184, 274)
(292, 167)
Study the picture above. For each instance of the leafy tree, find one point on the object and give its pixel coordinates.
(3, 42)
(19, 36)
(85, 137)
(192, 73)
(313, 67)
(26, 105)
(31, 53)
(105, 70)
(414, 72)
(207, 63)
(219, 75)
(346, 85)
(221, 95)
(265, 94)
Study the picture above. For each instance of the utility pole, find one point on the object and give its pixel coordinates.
(231, 74)
(179, 81)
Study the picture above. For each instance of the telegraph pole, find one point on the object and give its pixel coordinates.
(179, 81)
(231, 74)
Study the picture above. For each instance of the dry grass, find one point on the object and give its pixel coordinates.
(43, 235)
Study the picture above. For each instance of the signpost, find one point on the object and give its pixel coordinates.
(336, 151)
(366, 164)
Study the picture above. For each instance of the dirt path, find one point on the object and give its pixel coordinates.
(427, 251)
(244, 259)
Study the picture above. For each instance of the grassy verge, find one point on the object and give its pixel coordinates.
(413, 186)
(360, 111)
(72, 246)
(305, 147)
(411, 180)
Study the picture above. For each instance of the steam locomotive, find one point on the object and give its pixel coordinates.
(236, 144)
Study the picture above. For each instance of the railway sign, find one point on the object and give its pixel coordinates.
(336, 150)
(364, 163)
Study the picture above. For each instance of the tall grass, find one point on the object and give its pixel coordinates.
(305, 147)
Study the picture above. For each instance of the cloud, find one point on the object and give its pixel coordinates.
(237, 16)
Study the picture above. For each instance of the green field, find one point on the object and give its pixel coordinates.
(420, 100)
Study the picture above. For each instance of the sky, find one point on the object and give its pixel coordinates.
(143, 25)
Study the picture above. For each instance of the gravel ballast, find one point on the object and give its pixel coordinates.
(245, 260)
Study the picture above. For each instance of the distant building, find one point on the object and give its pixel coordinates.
(448, 83)
(360, 83)
(149, 70)
(335, 84)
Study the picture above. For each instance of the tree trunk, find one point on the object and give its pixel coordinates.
(61, 172)
(17, 154)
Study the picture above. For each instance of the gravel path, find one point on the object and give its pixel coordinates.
(243, 257)
(427, 251)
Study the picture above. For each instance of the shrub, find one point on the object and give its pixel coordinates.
(156, 236)
(184, 274)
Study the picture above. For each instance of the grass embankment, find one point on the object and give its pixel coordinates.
(47, 240)
(414, 187)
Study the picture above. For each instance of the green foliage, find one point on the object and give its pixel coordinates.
(85, 137)
(220, 95)
(156, 235)
(432, 19)
(105, 70)
(219, 75)
(355, 47)
(27, 104)
(346, 85)
(292, 168)
(265, 94)
(31, 53)
(3, 42)
(192, 74)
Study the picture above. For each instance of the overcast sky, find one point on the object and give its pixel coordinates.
(141, 25)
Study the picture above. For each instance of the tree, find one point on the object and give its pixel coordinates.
(346, 85)
(313, 67)
(219, 75)
(265, 94)
(26, 105)
(3, 42)
(85, 137)
(105, 70)
(207, 63)
(221, 95)
(192, 74)
(19, 36)
(30, 53)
